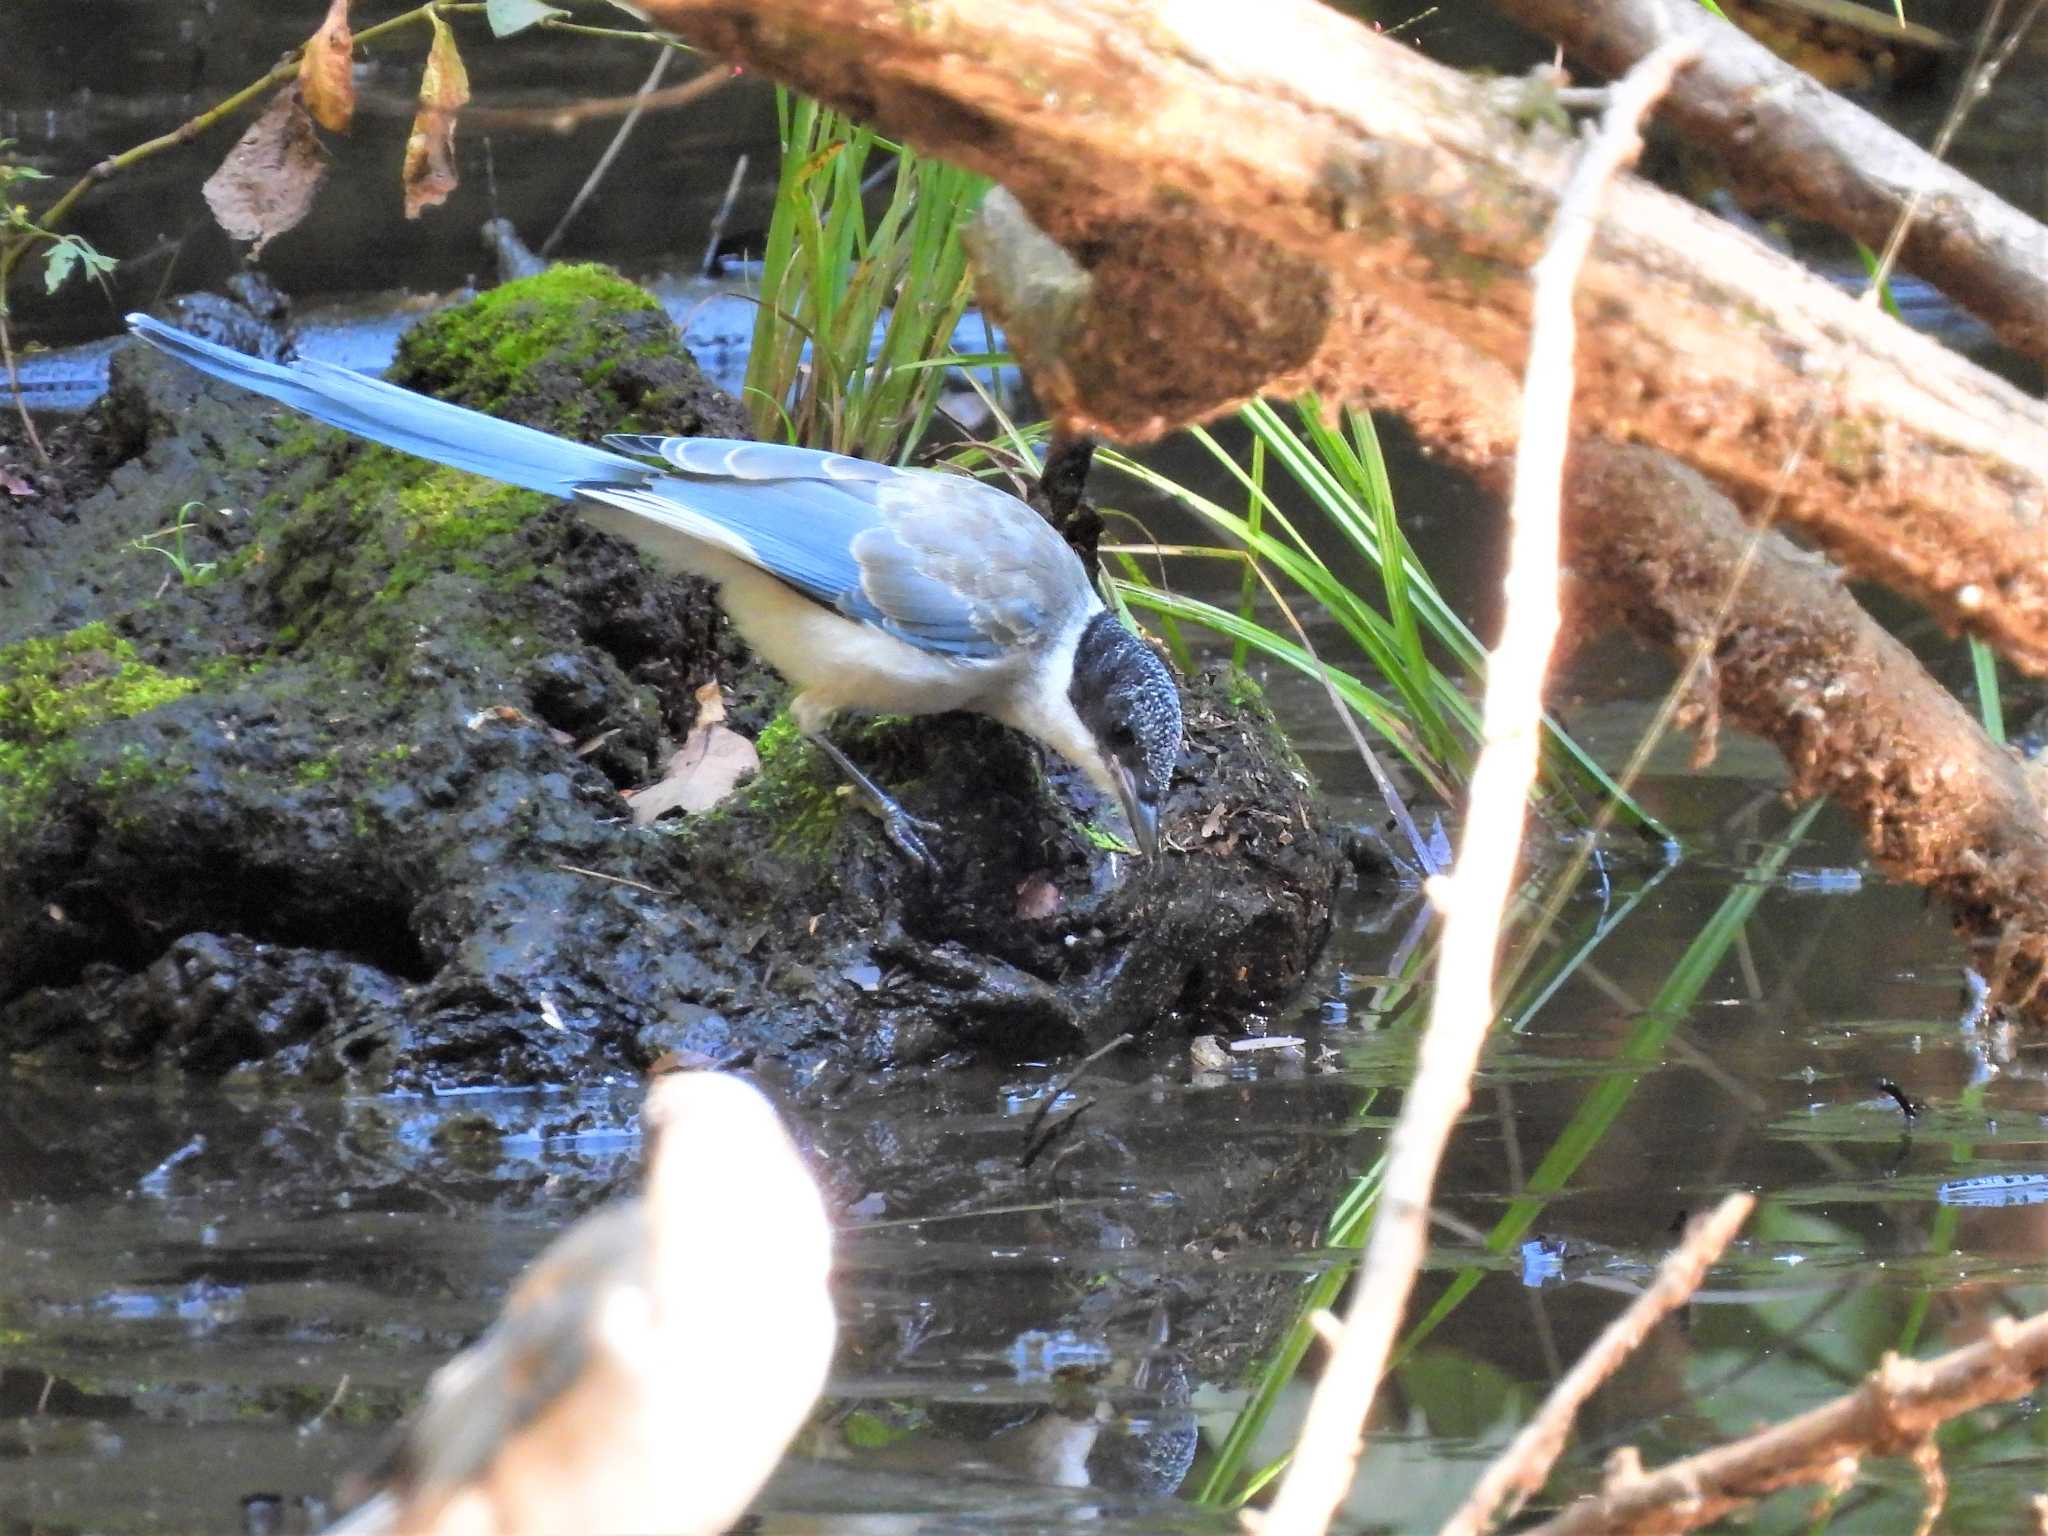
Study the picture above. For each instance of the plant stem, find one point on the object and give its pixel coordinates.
(14, 385)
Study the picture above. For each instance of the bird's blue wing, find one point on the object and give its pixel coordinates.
(939, 560)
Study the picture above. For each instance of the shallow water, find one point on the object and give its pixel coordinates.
(214, 1294)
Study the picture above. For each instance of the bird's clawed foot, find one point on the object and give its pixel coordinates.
(902, 828)
(898, 825)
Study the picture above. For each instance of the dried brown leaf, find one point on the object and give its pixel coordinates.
(429, 174)
(708, 766)
(327, 80)
(266, 184)
(1037, 898)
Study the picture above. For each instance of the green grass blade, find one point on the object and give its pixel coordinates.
(1643, 1049)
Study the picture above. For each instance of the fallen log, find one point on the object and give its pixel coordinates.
(1789, 654)
(1291, 201)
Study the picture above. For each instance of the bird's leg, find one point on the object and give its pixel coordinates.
(902, 827)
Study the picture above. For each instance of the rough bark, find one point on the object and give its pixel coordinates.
(1790, 141)
(1795, 659)
(1291, 201)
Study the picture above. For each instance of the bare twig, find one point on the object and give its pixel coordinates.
(611, 153)
(334, 1402)
(1032, 1147)
(598, 874)
(1893, 1413)
(719, 219)
(569, 117)
(28, 424)
(1461, 1009)
(1521, 1469)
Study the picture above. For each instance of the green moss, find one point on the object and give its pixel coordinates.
(777, 737)
(221, 672)
(318, 771)
(1244, 690)
(445, 514)
(55, 686)
(386, 766)
(133, 768)
(378, 549)
(574, 317)
(449, 510)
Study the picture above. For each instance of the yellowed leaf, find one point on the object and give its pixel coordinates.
(429, 174)
(326, 71)
(266, 184)
(708, 766)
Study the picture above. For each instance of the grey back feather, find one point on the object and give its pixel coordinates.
(939, 560)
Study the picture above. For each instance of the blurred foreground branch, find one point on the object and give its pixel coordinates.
(1475, 895)
(1895, 1412)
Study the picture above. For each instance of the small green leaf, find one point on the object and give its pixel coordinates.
(866, 1431)
(1102, 837)
(58, 264)
(70, 252)
(510, 16)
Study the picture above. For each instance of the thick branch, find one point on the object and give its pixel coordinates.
(1280, 200)
(1791, 141)
(1894, 1412)
(1795, 659)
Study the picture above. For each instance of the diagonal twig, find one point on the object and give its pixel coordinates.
(1521, 1469)
(1462, 1008)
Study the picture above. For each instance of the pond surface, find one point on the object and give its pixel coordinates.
(216, 1295)
(208, 1294)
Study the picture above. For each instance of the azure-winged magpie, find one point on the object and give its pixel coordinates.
(899, 591)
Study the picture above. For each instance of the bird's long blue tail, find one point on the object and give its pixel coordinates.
(398, 418)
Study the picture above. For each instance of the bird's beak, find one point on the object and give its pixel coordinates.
(1144, 819)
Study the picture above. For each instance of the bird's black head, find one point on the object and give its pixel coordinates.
(1127, 700)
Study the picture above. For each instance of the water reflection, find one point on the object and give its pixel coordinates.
(214, 1294)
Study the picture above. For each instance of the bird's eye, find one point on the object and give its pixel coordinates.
(1122, 734)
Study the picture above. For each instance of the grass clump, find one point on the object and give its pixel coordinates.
(853, 310)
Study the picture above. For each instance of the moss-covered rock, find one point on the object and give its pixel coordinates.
(577, 350)
(353, 807)
(53, 688)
